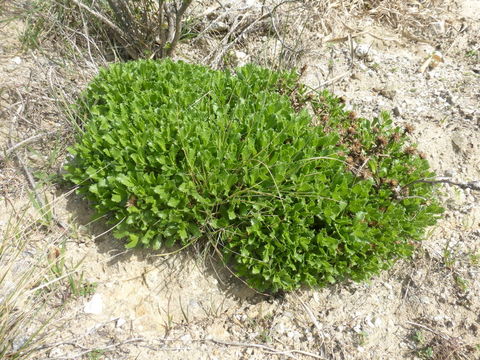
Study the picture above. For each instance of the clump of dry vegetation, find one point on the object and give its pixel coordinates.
(23, 325)
(118, 29)
(129, 30)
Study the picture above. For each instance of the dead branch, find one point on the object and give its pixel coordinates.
(31, 181)
(27, 141)
(161, 32)
(289, 353)
(101, 18)
(333, 80)
(118, 31)
(275, 29)
(19, 161)
(105, 348)
(446, 337)
(42, 208)
(244, 30)
(178, 25)
(473, 185)
(312, 317)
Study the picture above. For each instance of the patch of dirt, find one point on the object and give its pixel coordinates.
(148, 305)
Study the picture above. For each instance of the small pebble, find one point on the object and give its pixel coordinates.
(16, 60)
(120, 322)
(94, 306)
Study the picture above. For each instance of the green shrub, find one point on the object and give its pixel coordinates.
(178, 153)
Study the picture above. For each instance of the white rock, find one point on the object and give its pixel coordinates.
(368, 321)
(357, 328)
(219, 26)
(120, 322)
(388, 286)
(450, 173)
(460, 142)
(16, 60)
(281, 328)
(242, 58)
(56, 352)
(288, 314)
(19, 342)
(363, 67)
(397, 111)
(424, 300)
(362, 50)
(243, 3)
(194, 304)
(94, 306)
(439, 27)
(293, 334)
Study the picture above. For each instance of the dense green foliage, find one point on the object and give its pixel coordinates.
(178, 153)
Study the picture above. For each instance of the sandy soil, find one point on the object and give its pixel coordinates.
(184, 306)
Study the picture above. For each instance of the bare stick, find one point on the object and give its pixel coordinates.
(31, 182)
(161, 30)
(101, 18)
(19, 161)
(178, 25)
(106, 348)
(446, 337)
(119, 32)
(334, 80)
(221, 51)
(210, 25)
(352, 51)
(272, 350)
(27, 141)
(279, 37)
(219, 56)
(473, 185)
(312, 317)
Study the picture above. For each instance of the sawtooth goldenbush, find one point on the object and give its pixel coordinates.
(289, 187)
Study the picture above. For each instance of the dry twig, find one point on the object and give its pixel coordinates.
(312, 318)
(445, 337)
(333, 80)
(289, 353)
(215, 60)
(473, 185)
(102, 349)
(27, 141)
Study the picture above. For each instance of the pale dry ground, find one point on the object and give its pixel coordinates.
(182, 306)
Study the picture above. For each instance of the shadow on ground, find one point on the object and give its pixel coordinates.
(171, 261)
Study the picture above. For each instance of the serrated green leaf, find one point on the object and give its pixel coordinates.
(173, 202)
(116, 198)
(124, 179)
